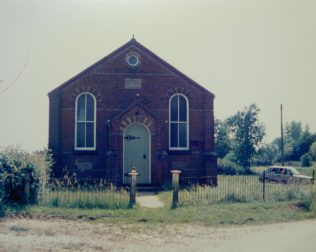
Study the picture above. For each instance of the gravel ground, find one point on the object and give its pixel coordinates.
(22, 234)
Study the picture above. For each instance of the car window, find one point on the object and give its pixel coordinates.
(288, 172)
(271, 171)
(294, 171)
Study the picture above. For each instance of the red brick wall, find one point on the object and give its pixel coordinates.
(116, 107)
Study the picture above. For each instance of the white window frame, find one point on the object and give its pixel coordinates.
(187, 122)
(131, 64)
(94, 122)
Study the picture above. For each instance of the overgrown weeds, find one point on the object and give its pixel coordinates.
(242, 189)
(86, 197)
(308, 202)
(233, 198)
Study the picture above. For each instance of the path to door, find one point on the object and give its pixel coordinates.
(148, 199)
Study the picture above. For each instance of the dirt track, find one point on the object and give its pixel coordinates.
(65, 235)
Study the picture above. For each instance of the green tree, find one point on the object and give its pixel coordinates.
(267, 154)
(222, 141)
(306, 160)
(297, 140)
(304, 142)
(312, 150)
(248, 133)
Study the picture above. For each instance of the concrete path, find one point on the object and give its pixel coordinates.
(148, 199)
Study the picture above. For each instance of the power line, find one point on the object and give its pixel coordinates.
(18, 75)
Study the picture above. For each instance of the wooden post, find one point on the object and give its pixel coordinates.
(27, 187)
(132, 193)
(175, 188)
(264, 187)
(282, 137)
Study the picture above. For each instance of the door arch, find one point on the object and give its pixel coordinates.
(136, 152)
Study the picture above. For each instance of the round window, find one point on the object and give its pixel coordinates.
(132, 60)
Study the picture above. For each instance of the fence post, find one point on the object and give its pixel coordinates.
(175, 188)
(27, 187)
(313, 176)
(264, 187)
(132, 193)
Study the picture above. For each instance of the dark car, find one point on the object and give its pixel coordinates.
(284, 174)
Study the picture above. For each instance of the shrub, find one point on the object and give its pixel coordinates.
(306, 160)
(308, 201)
(228, 167)
(292, 194)
(266, 155)
(15, 167)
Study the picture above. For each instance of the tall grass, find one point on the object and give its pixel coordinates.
(85, 195)
(236, 189)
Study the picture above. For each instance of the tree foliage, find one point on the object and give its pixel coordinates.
(248, 133)
(267, 154)
(238, 139)
(297, 141)
(222, 141)
(312, 150)
(306, 160)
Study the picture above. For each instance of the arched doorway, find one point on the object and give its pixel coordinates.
(136, 142)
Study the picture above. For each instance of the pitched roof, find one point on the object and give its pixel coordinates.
(131, 43)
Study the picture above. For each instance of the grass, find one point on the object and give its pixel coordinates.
(238, 189)
(218, 214)
(238, 209)
(92, 197)
(207, 214)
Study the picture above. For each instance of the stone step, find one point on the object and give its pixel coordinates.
(147, 188)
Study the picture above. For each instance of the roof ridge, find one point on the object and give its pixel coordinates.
(131, 42)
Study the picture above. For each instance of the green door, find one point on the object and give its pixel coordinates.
(137, 152)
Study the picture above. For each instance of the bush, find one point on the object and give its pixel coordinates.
(16, 166)
(266, 155)
(306, 160)
(308, 201)
(228, 167)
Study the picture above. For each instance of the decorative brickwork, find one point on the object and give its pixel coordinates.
(87, 89)
(117, 107)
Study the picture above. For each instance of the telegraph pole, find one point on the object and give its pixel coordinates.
(282, 137)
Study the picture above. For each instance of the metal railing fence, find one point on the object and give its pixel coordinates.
(84, 193)
(241, 188)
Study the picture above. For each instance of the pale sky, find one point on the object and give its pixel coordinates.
(254, 51)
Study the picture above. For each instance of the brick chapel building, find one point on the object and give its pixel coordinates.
(132, 109)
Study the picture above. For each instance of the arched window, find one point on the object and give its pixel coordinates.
(178, 122)
(85, 122)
